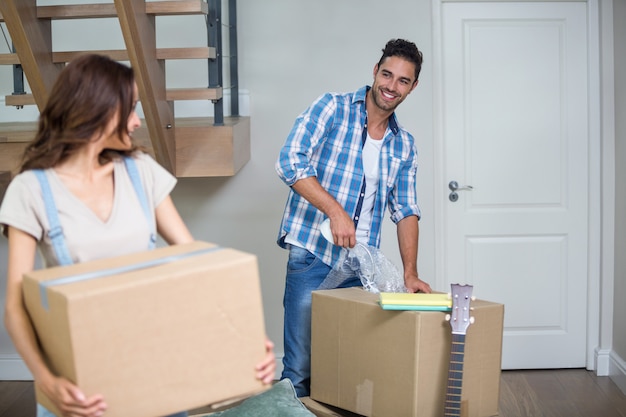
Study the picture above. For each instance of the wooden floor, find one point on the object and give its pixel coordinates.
(541, 393)
(562, 393)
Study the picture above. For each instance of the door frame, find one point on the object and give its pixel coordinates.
(601, 223)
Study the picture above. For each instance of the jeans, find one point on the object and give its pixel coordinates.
(305, 273)
(43, 412)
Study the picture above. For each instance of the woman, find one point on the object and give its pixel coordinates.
(85, 151)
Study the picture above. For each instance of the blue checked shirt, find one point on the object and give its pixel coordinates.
(326, 142)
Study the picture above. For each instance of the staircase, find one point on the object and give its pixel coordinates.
(187, 147)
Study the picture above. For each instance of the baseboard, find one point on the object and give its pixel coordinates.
(617, 371)
(602, 362)
(12, 368)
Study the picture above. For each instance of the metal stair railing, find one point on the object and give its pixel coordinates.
(215, 65)
(214, 34)
(234, 62)
(18, 79)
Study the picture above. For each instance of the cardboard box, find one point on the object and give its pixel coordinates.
(383, 363)
(156, 332)
(325, 410)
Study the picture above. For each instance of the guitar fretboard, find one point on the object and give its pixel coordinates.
(455, 376)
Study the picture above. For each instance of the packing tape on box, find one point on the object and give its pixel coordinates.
(43, 286)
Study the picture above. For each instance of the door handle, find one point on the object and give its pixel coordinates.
(454, 187)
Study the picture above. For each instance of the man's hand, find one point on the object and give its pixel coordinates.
(342, 228)
(341, 225)
(414, 284)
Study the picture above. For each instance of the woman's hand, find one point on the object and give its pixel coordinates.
(71, 401)
(266, 369)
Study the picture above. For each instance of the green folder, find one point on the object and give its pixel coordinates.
(415, 301)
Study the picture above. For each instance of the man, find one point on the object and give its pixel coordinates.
(347, 159)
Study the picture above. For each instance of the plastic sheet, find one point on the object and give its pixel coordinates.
(376, 272)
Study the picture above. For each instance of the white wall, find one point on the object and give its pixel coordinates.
(289, 53)
(618, 370)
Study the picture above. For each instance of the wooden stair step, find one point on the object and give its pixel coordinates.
(23, 132)
(193, 147)
(31, 37)
(180, 7)
(202, 149)
(19, 100)
(101, 10)
(206, 150)
(14, 136)
(178, 94)
(86, 11)
(173, 94)
(17, 131)
(202, 52)
(9, 59)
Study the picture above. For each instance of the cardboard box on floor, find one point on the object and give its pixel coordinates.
(156, 332)
(381, 363)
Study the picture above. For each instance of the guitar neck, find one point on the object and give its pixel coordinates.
(455, 376)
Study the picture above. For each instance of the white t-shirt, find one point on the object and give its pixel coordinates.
(371, 161)
(88, 237)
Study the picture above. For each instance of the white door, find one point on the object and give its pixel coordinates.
(514, 125)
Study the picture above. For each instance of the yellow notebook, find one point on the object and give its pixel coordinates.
(417, 301)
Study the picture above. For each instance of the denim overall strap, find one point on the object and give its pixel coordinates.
(56, 231)
(58, 239)
(133, 173)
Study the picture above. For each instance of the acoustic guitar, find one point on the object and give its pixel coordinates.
(460, 320)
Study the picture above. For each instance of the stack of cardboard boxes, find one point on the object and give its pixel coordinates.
(181, 327)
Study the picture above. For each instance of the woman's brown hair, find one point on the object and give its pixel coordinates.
(84, 98)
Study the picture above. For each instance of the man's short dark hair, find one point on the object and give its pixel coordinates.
(403, 49)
